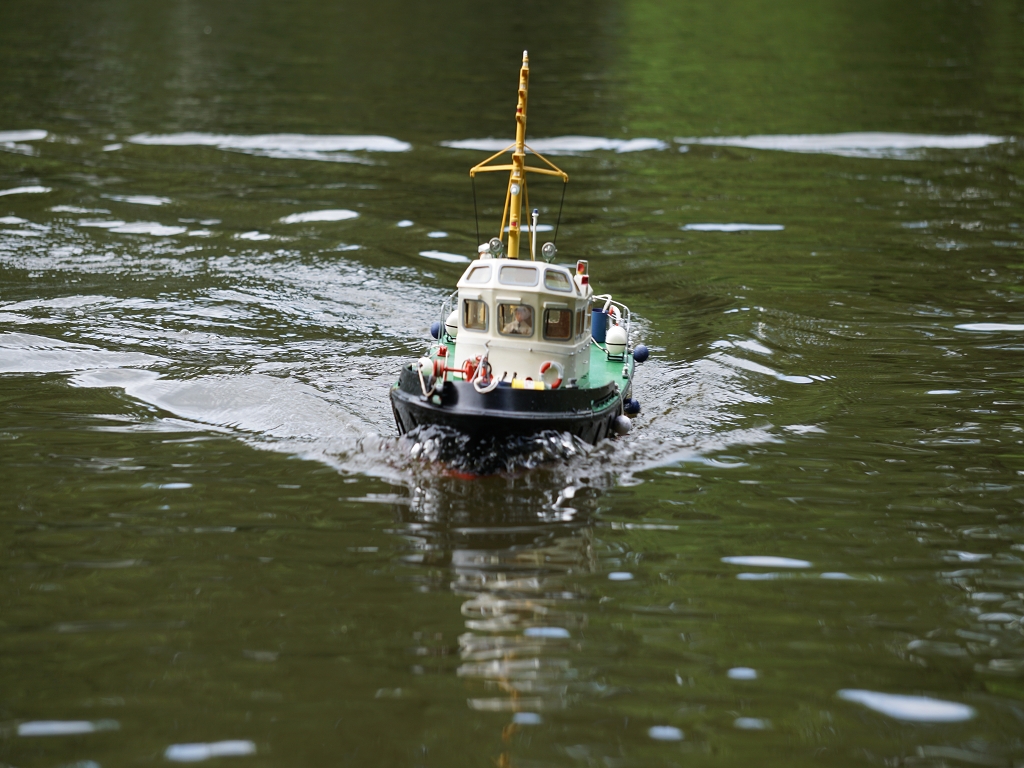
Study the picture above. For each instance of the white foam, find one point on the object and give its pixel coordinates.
(750, 365)
(253, 235)
(766, 561)
(742, 673)
(665, 733)
(404, 223)
(733, 227)
(620, 576)
(871, 144)
(969, 557)
(918, 709)
(753, 346)
(285, 146)
(335, 214)
(452, 258)
(139, 199)
(21, 232)
(101, 223)
(991, 327)
(437, 234)
(25, 191)
(148, 228)
(526, 718)
(804, 429)
(12, 220)
(563, 145)
(30, 135)
(987, 597)
(194, 753)
(751, 723)
(998, 618)
(76, 209)
(547, 632)
(63, 302)
(943, 391)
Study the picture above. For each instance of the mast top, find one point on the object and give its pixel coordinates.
(516, 192)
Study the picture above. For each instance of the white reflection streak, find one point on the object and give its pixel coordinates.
(35, 190)
(194, 753)
(65, 727)
(451, 258)
(287, 146)
(921, 709)
(866, 145)
(336, 214)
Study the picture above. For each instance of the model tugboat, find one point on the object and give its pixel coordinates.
(523, 346)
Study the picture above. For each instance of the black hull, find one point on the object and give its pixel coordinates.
(505, 412)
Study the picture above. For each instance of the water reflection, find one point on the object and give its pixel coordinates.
(515, 556)
(65, 727)
(921, 709)
(282, 146)
(867, 145)
(194, 753)
(141, 367)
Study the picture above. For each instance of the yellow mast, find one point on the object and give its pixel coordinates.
(518, 168)
(518, 176)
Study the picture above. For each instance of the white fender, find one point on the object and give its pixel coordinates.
(616, 340)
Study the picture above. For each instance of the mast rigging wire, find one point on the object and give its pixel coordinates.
(559, 220)
(476, 216)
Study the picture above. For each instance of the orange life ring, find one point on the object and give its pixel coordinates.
(559, 371)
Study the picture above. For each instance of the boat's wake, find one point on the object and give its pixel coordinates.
(459, 453)
(693, 419)
(280, 364)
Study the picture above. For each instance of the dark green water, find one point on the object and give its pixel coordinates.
(211, 533)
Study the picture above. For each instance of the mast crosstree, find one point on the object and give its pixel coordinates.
(517, 192)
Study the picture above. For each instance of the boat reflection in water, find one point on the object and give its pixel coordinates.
(515, 555)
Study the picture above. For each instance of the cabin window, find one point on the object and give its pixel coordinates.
(474, 315)
(479, 275)
(510, 275)
(579, 323)
(558, 324)
(557, 281)
(515, 319)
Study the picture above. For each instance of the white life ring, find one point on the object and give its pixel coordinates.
(559, 372)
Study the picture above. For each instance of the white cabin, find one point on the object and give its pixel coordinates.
(522, 314)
